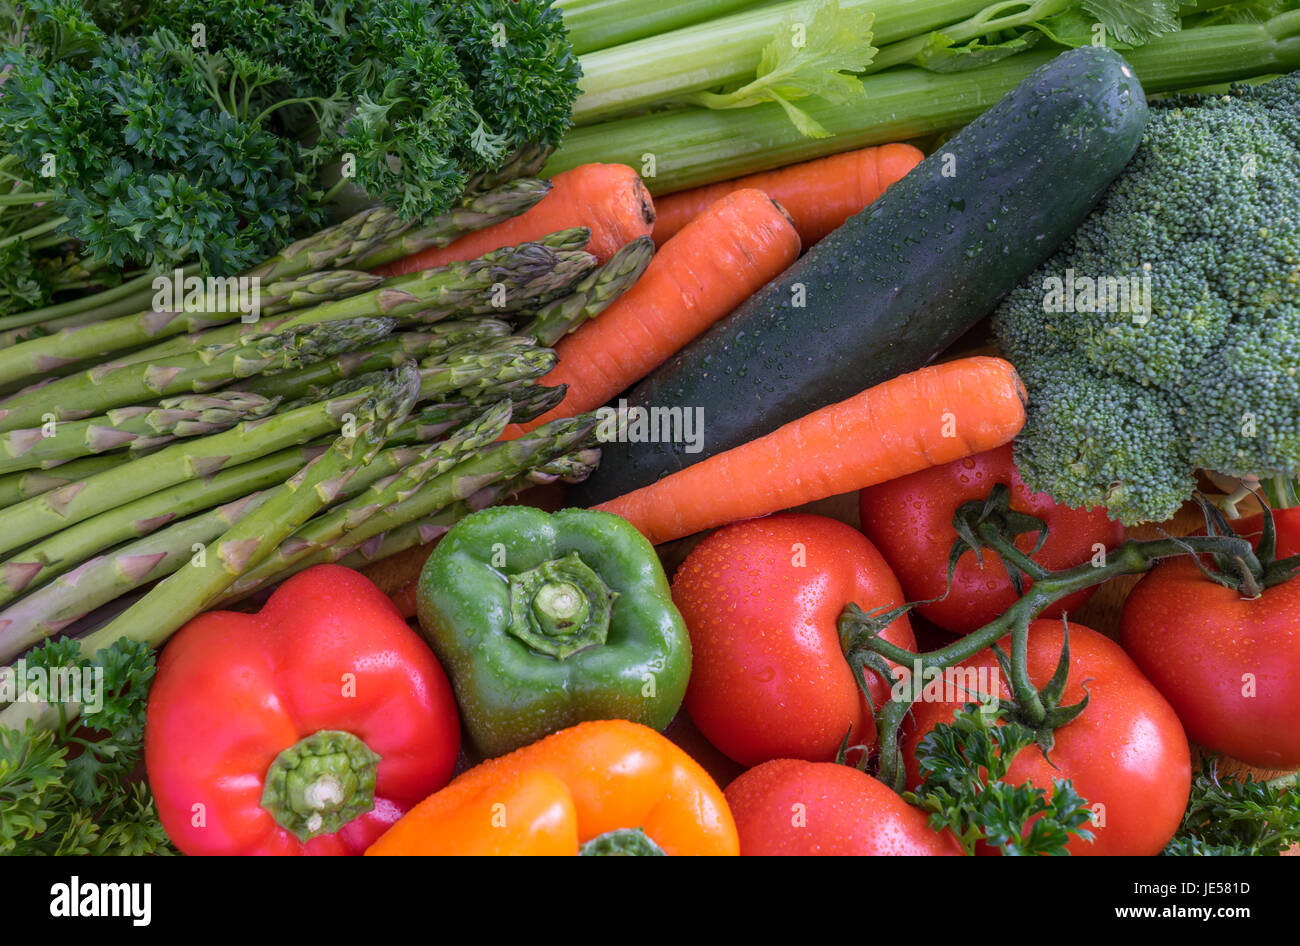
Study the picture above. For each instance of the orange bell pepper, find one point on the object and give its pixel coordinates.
(577, 785)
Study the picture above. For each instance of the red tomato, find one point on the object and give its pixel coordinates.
(1229, 665)
(761, 599)
(791, 807)
(1126, 752)
(1286, 523)
(910, 521)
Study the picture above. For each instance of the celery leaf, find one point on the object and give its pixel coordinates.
(941, 55)
(1134, 21)
(810, 55)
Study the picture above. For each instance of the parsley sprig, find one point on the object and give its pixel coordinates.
(149, 135)
(962, 765)
(1238, 817)
(72, 790)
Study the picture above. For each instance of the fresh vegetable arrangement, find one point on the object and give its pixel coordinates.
(929, 260)
(601, 428)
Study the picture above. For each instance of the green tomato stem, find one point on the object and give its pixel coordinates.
(1131, 558)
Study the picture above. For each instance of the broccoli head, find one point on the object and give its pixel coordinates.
(1164, 336)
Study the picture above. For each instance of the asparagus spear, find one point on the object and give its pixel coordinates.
(124, 299)
(16, 487)
(336, 246)
(351, 242)
(314, 380)
(529, 400)
(42, 515)
(76, 343)
(526, 162)
(38, 564)
(500, 463)
(113, 385)
(511, 279)
(408, 536)
(571, 468)
(593, 294)
(132, 427)
(535, 400)
(475, 212)
(322, 532)
(180, 596)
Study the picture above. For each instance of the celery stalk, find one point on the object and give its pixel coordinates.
(599, 24)
(726, 51)
(695, 146)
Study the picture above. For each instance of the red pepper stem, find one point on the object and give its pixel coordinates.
(320, 783)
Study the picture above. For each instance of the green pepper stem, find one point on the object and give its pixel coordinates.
(560, 607)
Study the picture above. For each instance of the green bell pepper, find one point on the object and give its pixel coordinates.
(543, 621)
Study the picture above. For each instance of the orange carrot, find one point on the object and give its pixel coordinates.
(609, 198)
(922, 419)
(819, 195)
(717, 262)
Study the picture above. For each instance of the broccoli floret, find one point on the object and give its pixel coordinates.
(1243, 418)
(1102, 440)
(1164, 336)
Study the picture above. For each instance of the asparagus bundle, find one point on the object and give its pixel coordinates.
(392, 473)
(591, 295)
(125, 318)
(511, 279)
(256, 534)
(39, 564)
(45, 514)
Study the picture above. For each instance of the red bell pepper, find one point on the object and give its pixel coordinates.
(307, 728)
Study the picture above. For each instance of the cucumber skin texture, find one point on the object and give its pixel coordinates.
(936, 252)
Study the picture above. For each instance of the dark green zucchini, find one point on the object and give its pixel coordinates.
(899, 282)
